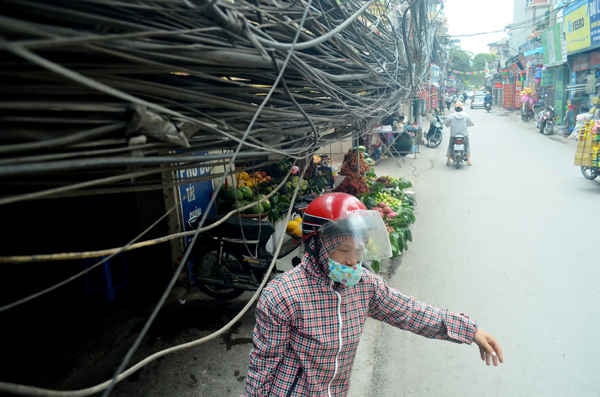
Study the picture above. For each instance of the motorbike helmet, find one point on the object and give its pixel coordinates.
(458, 106)
(334, 217)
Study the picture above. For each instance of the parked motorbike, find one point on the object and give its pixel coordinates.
(545, 121)
(233, 257)
(459, 152)
(526, 112)
(590, 173)
(434, 135)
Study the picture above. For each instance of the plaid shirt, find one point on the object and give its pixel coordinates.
(308, 328)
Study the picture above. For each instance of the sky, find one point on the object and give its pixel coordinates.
(477, 16)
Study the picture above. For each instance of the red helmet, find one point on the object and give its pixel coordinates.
(328, 207)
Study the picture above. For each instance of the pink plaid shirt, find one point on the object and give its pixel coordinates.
(308, 328)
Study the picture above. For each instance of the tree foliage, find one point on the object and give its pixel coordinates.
(464, 61)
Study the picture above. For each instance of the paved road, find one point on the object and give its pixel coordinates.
(513, 241)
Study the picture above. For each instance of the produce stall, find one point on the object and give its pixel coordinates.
(384, 194)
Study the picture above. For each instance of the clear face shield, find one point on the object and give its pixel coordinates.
(360, 236)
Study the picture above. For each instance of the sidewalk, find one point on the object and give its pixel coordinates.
(365, 363)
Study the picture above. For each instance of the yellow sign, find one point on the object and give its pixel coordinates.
(577, 29)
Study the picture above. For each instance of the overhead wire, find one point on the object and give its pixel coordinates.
(183, 261)
(303, 93)
(109, 253)
(20, 389)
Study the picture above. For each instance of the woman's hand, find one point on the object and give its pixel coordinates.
(488, 348)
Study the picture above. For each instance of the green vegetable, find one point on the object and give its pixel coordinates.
(247, 193)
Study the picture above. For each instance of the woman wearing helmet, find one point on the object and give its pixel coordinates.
(309, 320)
(458, 121)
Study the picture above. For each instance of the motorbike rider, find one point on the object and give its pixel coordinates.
(458, 121)
(487, 99)
(309, 320)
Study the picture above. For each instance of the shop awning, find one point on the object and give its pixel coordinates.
(537, 50)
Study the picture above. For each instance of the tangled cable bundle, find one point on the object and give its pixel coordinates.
(104, 96)
(101, 84)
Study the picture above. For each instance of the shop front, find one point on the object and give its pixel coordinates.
(584, 81)
(512, 78)
(582, 35)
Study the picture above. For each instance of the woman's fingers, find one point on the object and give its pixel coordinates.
(489, 349)
(497, 349)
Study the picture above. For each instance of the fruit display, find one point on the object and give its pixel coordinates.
(354, 162)
(388, 197)
(245, 194)
(354, 168)
(252, 180)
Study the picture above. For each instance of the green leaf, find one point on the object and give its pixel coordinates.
(376, 266)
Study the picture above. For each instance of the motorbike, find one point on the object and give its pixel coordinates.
(545, 121)
(434, 135)
(233, 257)
(526, 112)
(488, 106)
(458, 152)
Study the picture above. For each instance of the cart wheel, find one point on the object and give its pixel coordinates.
(590, 173)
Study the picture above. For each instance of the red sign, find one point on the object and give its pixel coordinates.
(498, 85)
(580, 62)
(537, 3)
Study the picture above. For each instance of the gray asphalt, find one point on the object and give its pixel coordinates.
(512, 241)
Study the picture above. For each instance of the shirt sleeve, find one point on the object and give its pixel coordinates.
(270, 341)
(394, 308)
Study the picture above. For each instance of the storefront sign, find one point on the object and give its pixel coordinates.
(194, 194)
(577, 26)
(552, 43)
(594, 10)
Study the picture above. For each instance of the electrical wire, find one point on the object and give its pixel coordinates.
(163, 298)
(319, 40)
(111, 252)
(108, 251)
(27, 390)
(325, 97)
(89, 269)
(62, 141)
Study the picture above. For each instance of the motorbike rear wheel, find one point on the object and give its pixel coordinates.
(208, 265)
(590, 173)
(458, 162)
